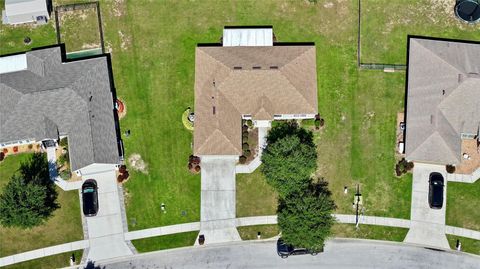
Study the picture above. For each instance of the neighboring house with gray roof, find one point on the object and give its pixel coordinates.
(443, 99)
(44, 97)
(250, 81)
(26, 11)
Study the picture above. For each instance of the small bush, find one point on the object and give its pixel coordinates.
(317, 124)
(247, 153)
(197, 168)
(245, 128)
(122, 169)
(409, 166)
(245, 138)
(450, 169)
(242, 159)
(250, 123)
(5, 151)
(245, 146)
(15, 149)
(322, 122)
(30, 146)
(2, 156)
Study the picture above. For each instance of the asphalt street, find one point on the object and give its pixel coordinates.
(338, 253)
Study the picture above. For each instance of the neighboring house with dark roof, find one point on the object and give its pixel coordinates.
(249, 81)
(443, 99)
(26, 11)
(44, 97)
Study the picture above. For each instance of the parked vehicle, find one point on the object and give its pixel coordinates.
(435, 191)
(90, 198)
(284, 250)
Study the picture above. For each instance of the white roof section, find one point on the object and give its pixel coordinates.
(250, 37)
(13, 63)
(22, 11)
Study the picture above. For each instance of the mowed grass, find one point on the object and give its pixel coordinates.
(11, 37)
(251, 232)
(463, 205)
(369, 232)
(165, 242)
(468, 245)
(386, 24)
(55, 261)
(254, 196)
(79, 29)
(64, 226)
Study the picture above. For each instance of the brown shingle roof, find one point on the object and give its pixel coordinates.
(258, 81)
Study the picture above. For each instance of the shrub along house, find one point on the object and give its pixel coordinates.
(44, 97)
(250, 77)
(443, 100)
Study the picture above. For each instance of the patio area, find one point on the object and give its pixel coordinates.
(471, 160)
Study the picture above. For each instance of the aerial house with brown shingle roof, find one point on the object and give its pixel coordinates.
(443, 100)
(249, 81)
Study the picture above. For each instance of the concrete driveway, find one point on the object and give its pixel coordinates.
(217, 212)
(105, 230)
(427, 225)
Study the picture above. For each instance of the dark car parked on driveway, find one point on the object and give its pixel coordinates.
(90, 198)
(284, 250)
(435, 191)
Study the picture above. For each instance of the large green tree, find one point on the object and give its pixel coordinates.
(290, 158)
(305, 218)
(30, 196)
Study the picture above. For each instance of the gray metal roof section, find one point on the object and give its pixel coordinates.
(443, 99)
(69, 98)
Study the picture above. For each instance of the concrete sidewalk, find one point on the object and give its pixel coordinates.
(52, 169)
(43, 252)
(194, 226)
(255, 163)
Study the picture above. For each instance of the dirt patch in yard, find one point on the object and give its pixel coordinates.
(137, 164)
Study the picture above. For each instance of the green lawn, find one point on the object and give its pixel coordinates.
(468, 245)
(165, 242)
(251, 232)
(254, 196)
(153, 65)
(386, 23)
(64, 226)
(55, 261)
(463, 205)
(79, 29)
(369, 232)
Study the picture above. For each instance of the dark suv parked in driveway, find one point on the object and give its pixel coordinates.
(284, 250)
(90, 198)
(435, 191)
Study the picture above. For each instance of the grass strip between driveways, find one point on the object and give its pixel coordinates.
(468, 245)
(165, 241)
(55, 261)
(251, 232)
